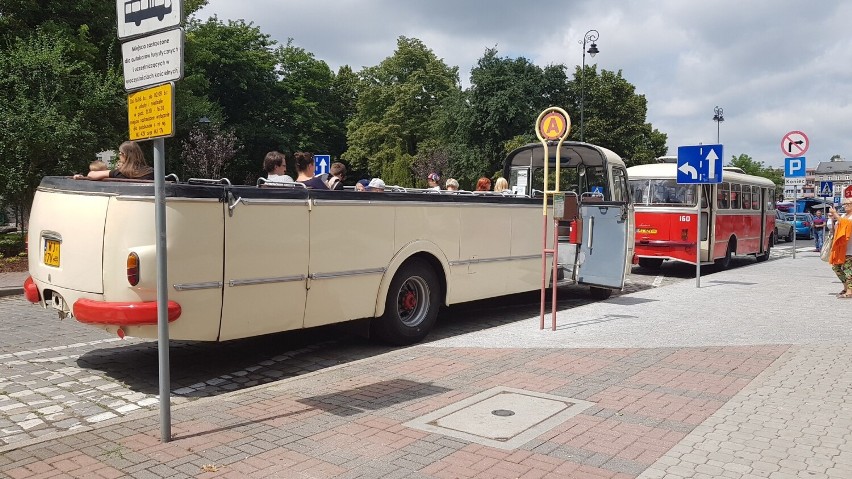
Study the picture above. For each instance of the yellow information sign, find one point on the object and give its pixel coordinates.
(150, 112)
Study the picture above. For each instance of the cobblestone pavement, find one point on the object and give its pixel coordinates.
(666, 380)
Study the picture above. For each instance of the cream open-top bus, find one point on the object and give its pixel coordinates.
(248, 260)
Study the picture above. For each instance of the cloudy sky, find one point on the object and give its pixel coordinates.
(773, 66)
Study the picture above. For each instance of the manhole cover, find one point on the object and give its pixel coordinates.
(501, 417)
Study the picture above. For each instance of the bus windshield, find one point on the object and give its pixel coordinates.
(662, 193)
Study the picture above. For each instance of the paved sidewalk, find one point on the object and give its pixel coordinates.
(730, 380)
(12, 283)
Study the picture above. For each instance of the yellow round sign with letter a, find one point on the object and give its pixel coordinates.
(553, 124)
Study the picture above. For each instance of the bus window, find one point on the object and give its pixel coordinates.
(736, 193)
(668, 192)
(770, 199)
(619, 185)
(746, 197)
(755, 197)
(639, 190)
(724, 196)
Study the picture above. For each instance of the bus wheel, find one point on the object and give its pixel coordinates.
(651, 263)
(765, 256)
(725, 262)
(600, 293)
(412, 305)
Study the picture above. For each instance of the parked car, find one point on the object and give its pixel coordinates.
(783, 228)
(804, 223)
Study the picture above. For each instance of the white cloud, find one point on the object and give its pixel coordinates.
(772, 65)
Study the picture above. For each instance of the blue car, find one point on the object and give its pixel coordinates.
(804, 224)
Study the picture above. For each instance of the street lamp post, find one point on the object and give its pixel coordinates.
(718, 118)
(590, 37)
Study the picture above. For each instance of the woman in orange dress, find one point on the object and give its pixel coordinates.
(841, 246)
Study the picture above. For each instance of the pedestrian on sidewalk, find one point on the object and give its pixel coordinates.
(841, 247)
(819, 230)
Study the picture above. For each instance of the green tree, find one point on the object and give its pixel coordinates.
(506, 96)
(230, 70)
(751, 166)
(314, 102)
(615, 116)
(395, 103)
(55, 112)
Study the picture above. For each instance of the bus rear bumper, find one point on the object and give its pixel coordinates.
(121, 313)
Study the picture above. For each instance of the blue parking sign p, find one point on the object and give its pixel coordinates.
(794, 167)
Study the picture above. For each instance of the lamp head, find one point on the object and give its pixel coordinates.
(593, 50)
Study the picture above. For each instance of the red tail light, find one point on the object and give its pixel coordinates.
(806, 223)
(133, 269)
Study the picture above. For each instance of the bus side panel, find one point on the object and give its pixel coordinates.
(266, 262)
(526, 242)
(484, 238)
(351, 244)
(194, 252)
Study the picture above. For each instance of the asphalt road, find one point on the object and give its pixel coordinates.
(61, 375)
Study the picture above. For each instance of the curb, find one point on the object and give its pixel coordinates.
(11, 291)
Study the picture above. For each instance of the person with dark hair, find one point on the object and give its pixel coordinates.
(483, 184)
(336, 175)
(131, 165)
(275, 166)
(305, 168)
(434, 181)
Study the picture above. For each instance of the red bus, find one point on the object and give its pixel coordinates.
(741, 216)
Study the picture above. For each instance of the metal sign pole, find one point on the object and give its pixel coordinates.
(698, 241)
(795, 208)
(162, 289)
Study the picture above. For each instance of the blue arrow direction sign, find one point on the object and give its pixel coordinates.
(794, 167)
(699, 164)
(826, 189)
(321, 164)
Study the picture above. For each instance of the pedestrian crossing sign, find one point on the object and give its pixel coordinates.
(826, 188)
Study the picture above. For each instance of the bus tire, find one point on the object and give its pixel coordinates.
(600, 293)
(725, 262)
(412, 304)
(765, 256)
(651, 263)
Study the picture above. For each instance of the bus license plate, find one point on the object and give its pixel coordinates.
(647, 231)
(51, 252)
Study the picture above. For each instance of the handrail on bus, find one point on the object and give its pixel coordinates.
(208, 181)
(289, 184)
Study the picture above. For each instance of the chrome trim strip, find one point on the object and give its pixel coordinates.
(495, 260)
(342, 274)
(254, 281)
(196, 286)
(172, 199)
(420, 204)
(273, 201)
(75, 192)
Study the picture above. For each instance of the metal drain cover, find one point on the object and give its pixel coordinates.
(501, 417)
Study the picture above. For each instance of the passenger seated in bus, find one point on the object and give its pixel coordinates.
(483, 184)
(98, 165)
(131, 165)
(305, 168)
(362, 185)
(452, 184)
(376, 185)
(337, 173)
(275, 166)
(502, 186)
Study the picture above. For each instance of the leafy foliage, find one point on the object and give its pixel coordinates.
(206, 152)
(55, 111)
(396, 100)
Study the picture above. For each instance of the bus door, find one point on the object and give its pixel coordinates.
(603, 248)
(266, 261)
(708, 228)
